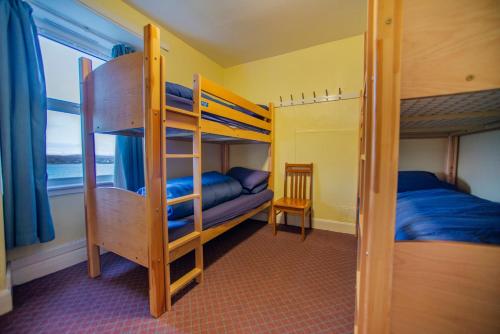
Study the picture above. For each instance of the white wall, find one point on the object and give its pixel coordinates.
(479, 164)
(423, 154)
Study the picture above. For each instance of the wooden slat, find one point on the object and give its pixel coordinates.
(223, 130)
(153, 132)
(181, 121)
(181, 156)
(171, 109)
(166, 254)
(184, 249)
(214, 232)
(117, 86)
(381, 168)
(89, 169)
(217, 90)
(445, 287)
(271, 161)
(450, 116)
(183, 240)
(120, 225)
(182, 199)
(224, 163)
(223, 111)
(185, 280)
(452, 159)
(449, 46)
(197, 168)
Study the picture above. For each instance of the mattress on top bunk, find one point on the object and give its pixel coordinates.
(181, 97)
(219, 214)
(434, 210)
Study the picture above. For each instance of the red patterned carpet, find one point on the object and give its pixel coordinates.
(254, 283)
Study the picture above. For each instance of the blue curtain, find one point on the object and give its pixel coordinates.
(129, 163)
(23, 123)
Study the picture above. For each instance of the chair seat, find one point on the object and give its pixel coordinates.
(292, 203)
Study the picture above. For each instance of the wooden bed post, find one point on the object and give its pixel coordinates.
(197, 168)
(452, 159)
(270, 158)
(153, 89)
(378, 195)
(89, 174)
(224, 157)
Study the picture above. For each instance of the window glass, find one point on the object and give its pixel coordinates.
(60, 63)
(64, 147)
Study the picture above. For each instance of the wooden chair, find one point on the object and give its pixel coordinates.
(298, 201)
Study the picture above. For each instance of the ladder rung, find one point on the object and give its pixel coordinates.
(182, 199)
(184, 280)
(181, 111)
(181, 156)
(182, 241)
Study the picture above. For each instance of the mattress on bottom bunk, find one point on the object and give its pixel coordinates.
(219, 214)
(446, 215)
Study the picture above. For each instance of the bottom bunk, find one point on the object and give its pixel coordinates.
(225, 198)
(429, 209)
(446, 259)
(220, 214)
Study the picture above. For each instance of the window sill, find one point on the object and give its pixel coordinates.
(71, 189)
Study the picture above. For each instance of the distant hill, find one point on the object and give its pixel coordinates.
(77, 159)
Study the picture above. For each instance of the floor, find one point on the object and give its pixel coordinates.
(254, 283)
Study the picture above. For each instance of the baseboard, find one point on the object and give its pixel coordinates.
(318, 223)
(334, 226)
(46, 262)
(6, 294)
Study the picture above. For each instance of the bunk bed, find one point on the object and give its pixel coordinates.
(423, 265)
(130, 96)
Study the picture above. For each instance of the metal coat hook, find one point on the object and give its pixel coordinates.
(340, 93)
(314, 94)
(281, 101)
(291, 98)
(302, 97)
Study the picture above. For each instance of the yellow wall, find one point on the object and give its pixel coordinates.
(182, 62)
(424, 154)
(325, 134)
(479, 164)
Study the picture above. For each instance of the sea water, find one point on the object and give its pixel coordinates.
(64, 171)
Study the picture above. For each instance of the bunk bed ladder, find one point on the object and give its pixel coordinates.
(191, 241)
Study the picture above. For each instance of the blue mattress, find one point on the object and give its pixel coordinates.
(216, 188)
(447, 215)
(181, 97)
(219, 213)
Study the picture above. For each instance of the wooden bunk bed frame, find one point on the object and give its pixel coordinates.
(428, 75)
(128, 93)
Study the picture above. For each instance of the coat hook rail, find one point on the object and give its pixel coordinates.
(316, 99)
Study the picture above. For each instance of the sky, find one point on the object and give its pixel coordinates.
(61, 76)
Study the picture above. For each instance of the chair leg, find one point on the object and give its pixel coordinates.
(310, 219)
(273, 217)
(303, 218)
(286, 217)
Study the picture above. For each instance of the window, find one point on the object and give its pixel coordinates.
(64, 147)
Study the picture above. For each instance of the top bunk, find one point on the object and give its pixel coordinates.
(450, 115)
(450, 73)
(115, 98)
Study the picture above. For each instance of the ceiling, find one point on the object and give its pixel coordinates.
(232, 32)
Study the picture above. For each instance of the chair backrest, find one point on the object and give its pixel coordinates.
(298, 177)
